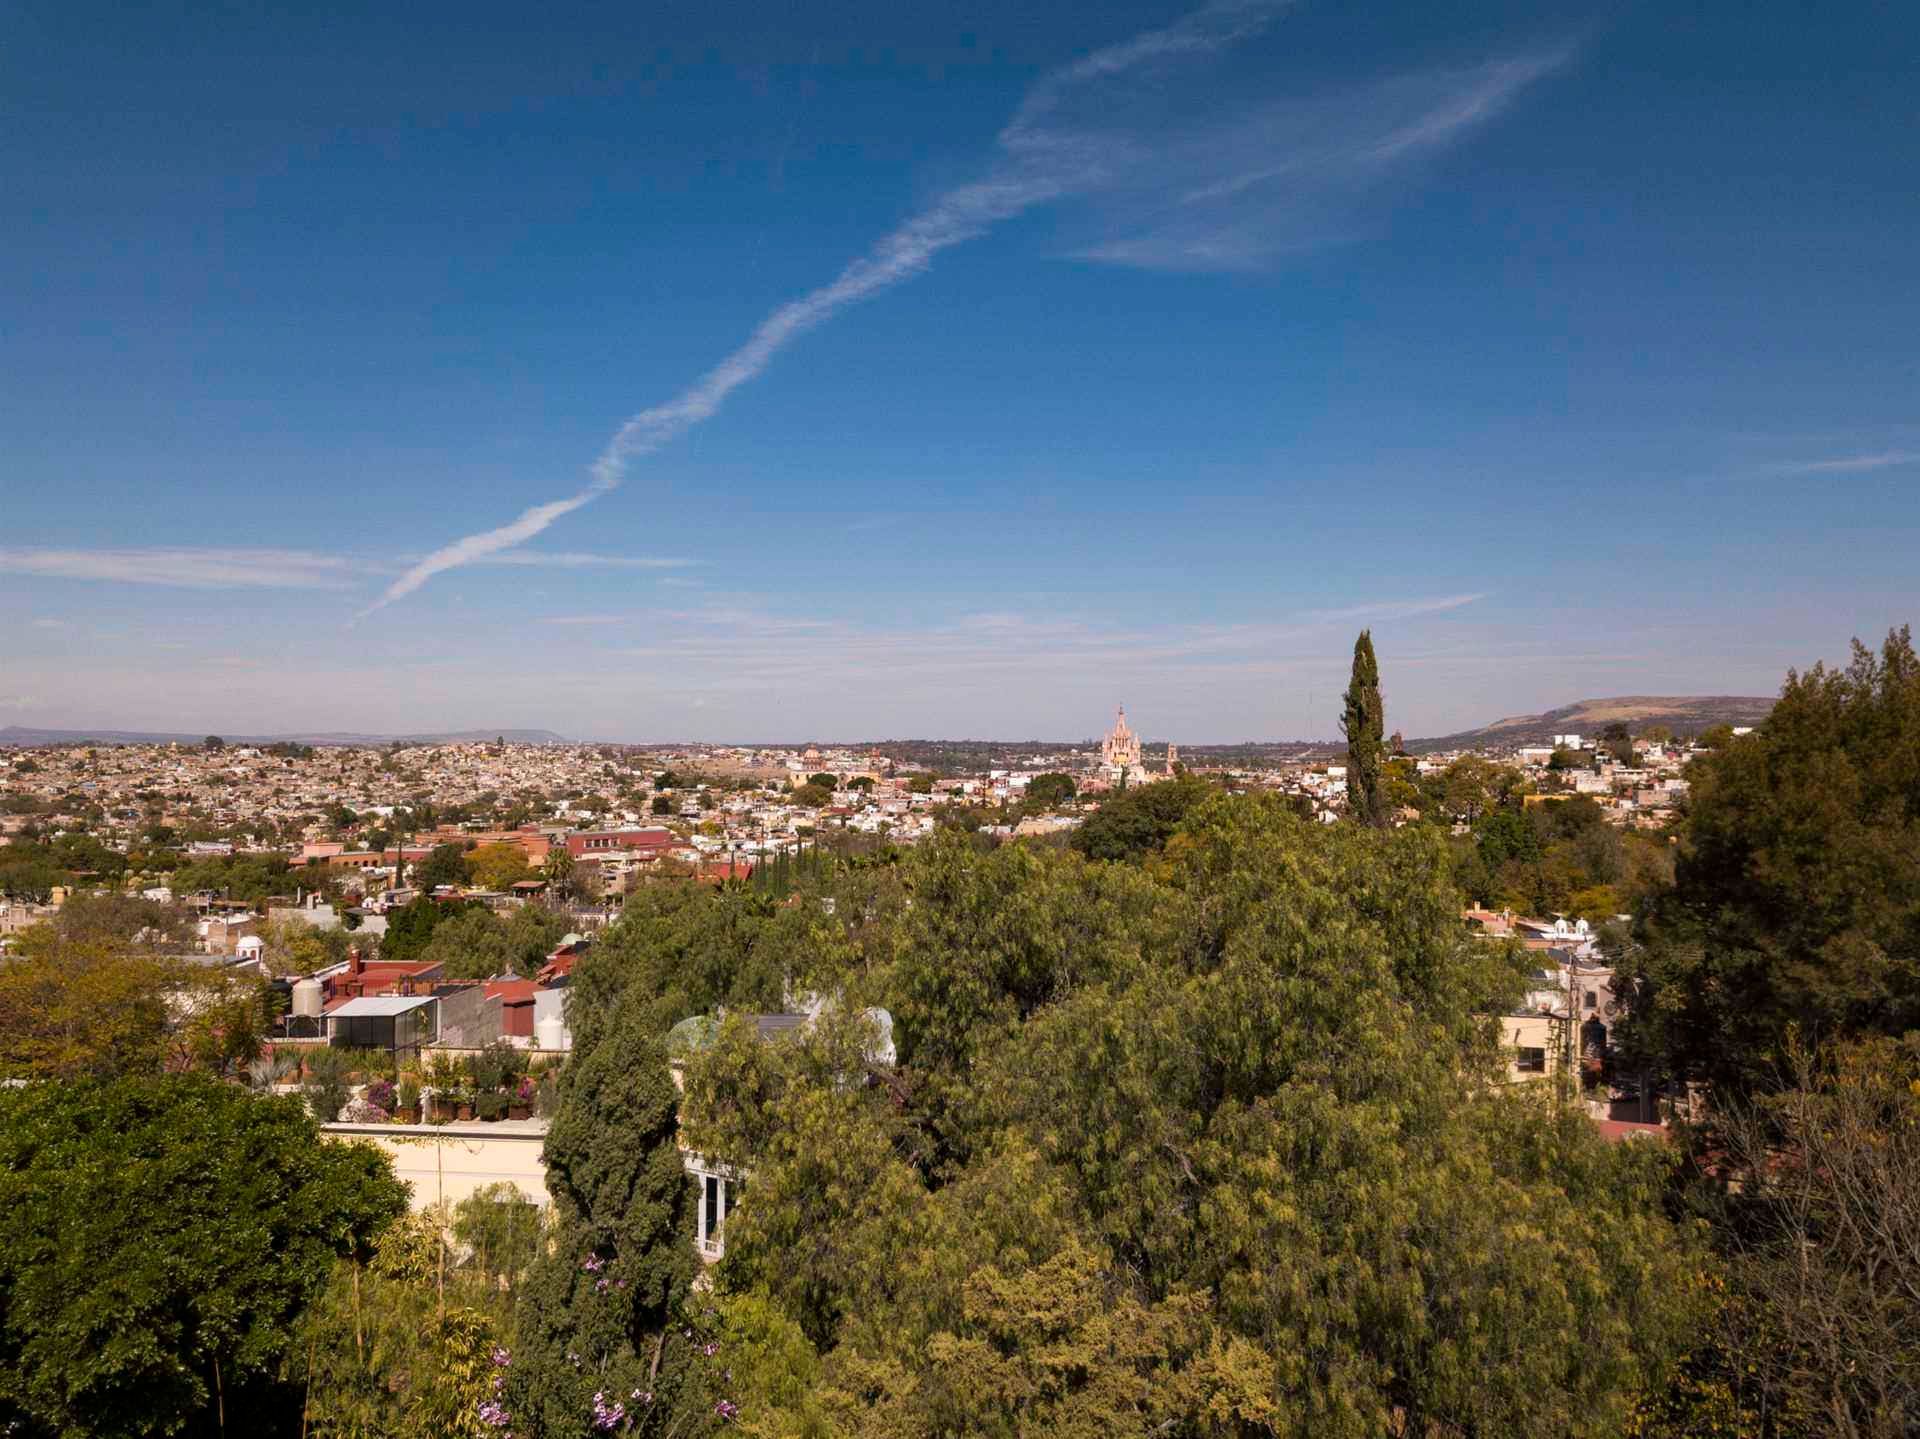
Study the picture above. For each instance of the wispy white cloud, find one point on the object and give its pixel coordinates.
(18, 702)
(1081, 132)
(1038, 164)
(187, 568)
(579, 560)
(1232, 189)
(586, 619)
(742, 647)
(1395, 609)
(47, 622)
(1852, 464)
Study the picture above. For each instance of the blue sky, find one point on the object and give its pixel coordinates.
(980, 365)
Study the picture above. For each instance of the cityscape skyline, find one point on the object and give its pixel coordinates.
(982, 366)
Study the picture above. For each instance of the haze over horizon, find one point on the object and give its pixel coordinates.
(947, 371)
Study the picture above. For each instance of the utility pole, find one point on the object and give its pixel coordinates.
(1573, 1020)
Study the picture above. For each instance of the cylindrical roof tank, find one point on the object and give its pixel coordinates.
(307, 1002)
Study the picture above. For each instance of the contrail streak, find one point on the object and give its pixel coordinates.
(1042, 167)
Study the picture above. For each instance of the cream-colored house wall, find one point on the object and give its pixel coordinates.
(1533, 1031)
(450, 1161)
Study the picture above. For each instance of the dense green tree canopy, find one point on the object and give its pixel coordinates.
(1224, 1127)
(1139, 820)
(411, 927)
(252, 877)
(1051, 790)
(476, 943)
(497, 866)
(159, 1239)
(1796, 900)
(444, 864)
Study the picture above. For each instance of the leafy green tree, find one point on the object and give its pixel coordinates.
(75, 1009)
(473, 944)
(1364, 723)
(445, 864)
(813, 796)
(410, 929)
(28, 872)
(159, 1239)
(252, 877)
(409, 1344)
(498, 866)
(1505, 836)
(1210, 1145)
(501, 1230)
(1137, 822)
(825, 780)
(1617, 741)
(121, 919)
(294, 947)
(1795, 902)
(1060, 1347)
(1050, 791)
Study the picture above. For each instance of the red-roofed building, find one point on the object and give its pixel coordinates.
(379, 859)
(559, 966)
(642, 843)
(516, 1005)
(1616, 1130)
(360, 980)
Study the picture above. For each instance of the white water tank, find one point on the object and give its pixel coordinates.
(307, 1001)
(550, 1032)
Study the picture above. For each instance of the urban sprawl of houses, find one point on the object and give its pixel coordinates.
(577, 827)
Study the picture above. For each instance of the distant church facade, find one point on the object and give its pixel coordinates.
(1121, 758)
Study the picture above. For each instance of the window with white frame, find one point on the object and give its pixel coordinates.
(719, 1194)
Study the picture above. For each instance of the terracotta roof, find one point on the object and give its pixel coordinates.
(1615, 1130)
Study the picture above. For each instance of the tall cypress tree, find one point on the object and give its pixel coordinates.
(1364, 724)
(596, 1341)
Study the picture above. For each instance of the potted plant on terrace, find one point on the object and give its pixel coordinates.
(491, 1106)
(406, 1106)
(379, 1095)
(520, 1102)
(443, 1077)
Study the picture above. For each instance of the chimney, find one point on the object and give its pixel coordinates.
(354, 966)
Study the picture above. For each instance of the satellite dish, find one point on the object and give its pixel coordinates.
(692, 1034)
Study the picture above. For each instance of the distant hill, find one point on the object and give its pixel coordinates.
(1683, 714)
(21, 736)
